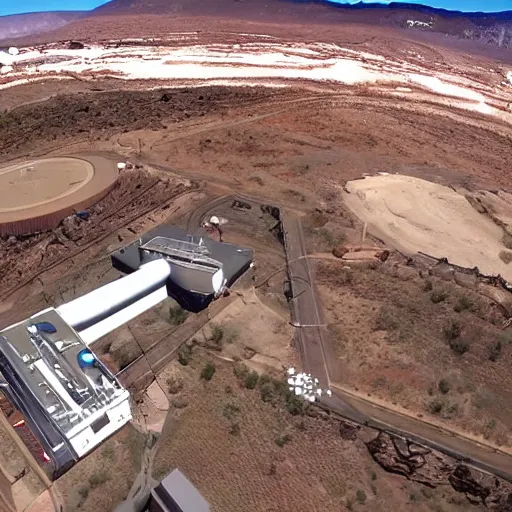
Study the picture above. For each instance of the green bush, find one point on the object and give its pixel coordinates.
(234, 430)
(208, 371)
(184, 354)
(438, 296)
(251, 380)
(361, 496)
(267, 392)
(444, 386)
(177, 315)
(295, 404)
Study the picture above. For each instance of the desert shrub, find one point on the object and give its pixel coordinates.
(240, 370)
(294, 404)
(257, 179)
(98, 478)
(177, 315)
(438, 296)
(174, 384)
(234, 430)
(208, 371)
(265, 378)
(452, 330)
(251, 380)
(427, 287)
(361, 496)
(460, 347)
(505, 338)
(387, 320)
(282, 440)
(217, 334)
(83, 492)
(463, 303)
(230, 411)
(184, 354)
(435, 406)
(507, 240)
(374, 475)
(494, 351)
(444, 386)
(267, 392)
(108, 452)
(505, 256)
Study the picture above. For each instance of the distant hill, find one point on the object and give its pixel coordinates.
(19, 25)
(493, 29)
(490, 28)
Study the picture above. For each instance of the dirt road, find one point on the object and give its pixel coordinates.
(318, 359)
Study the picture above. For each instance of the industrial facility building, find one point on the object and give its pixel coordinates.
(69, 400)
(200, 266)
(59, 394)
(175, 493)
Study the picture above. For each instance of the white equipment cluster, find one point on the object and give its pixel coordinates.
(306, 386)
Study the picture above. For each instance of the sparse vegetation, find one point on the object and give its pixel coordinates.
(506, 257)
(184, 354)
(108, 452)
(267, 392)
(98, 478)
(251, 380)
(387, 320)
(452, 330)
(282, 440)
(435, 406)
(240, 370)
(256, 179)
(438, 296)
(507, 240)
(460, 347)
(427, 287)
(463, 303)
(494, 350)
(230, 411)
(174, 384)
(444, 386)
(83, 492)
(177, 315)
(234, 429)
(361, 496)
(208, 371)
(374, 476)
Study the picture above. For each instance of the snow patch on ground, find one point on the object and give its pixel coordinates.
(257, 61)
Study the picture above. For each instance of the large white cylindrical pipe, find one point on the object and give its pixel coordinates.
(99, 304)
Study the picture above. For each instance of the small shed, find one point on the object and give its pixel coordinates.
(175, 493)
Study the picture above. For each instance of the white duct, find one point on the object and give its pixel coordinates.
(107, 301)
(97, 331)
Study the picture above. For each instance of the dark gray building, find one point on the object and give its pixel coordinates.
(176, 494)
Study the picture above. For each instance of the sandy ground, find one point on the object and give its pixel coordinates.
(38, 194)
(415, 215)
(42, 181)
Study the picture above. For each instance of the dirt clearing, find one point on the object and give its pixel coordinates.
(415, 215)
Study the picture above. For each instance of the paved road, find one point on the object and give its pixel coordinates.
(318, 359)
